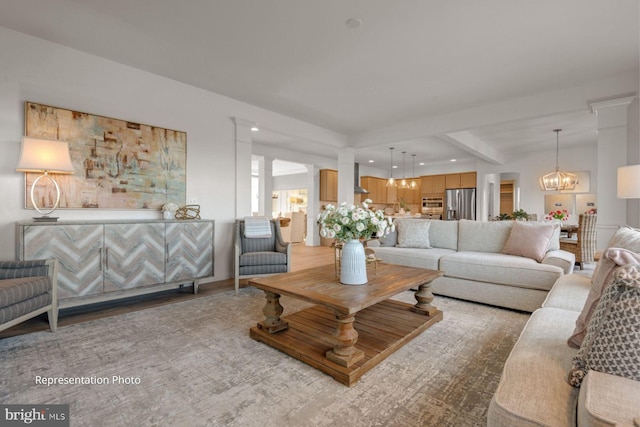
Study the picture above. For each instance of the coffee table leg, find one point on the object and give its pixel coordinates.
(272, 311)
(424, 297)
(344, 352)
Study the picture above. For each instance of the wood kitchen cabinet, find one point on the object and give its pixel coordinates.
(432, 184)
(452, 180)
(376, 187)
(329, 185)
(105, 260)
(468, 180)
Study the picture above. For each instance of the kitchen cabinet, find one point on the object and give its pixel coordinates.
(432, 184)
(468, 180)
(329, 185)
(104, 260)
(452, 180)
(376, 187)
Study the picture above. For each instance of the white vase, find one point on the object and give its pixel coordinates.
(353, 265)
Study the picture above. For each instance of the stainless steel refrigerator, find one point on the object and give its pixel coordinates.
(460, 204)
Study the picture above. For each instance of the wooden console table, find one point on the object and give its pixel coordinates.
(329, 336)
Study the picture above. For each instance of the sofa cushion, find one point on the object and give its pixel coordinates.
(413, 234)
(480, 236)
(603, 276)
(626, 238)
(612, 342)
(532, 390)
(411, 257)
(501, 269)
(569, 292)
(607, 400)
(444, 234)
(529, 240)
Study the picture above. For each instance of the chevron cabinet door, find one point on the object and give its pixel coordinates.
(134, 255)
(189, 250)
(77, 248)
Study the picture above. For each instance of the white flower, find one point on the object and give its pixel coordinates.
(374, 220)
(345, 220)
(360, 226)
(331, 234)
(337, 228)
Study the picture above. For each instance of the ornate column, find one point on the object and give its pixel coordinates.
(612, 153)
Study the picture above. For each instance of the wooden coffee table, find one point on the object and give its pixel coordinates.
(328, 336)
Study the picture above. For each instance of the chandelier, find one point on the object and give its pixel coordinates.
(391, 182)
(403, 183)
(558, 180)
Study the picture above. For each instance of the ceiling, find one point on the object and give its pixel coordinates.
(410, 61)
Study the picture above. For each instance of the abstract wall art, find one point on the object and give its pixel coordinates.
(118, 164)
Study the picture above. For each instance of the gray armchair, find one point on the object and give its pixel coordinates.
(28, 289)
(260, 256)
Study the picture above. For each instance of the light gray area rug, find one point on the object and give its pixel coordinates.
(197, 366)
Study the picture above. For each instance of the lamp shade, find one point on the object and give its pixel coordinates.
(629, 182)
(44, 155)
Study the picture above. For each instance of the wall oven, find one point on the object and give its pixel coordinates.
(433, 206)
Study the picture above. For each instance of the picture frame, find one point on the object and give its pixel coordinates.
(118, 164)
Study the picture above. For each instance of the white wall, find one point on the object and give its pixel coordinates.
(35, 70)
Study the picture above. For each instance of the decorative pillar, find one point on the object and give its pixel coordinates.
(346, 185)
(265, 179)
(243, 167)
(612, 153)
(313, 205)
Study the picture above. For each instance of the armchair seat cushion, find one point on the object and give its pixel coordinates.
(21, 308)
(263, 258)
(20, 289)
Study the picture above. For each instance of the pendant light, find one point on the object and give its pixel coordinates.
(414, 183)
(403, 183)
(557, 180)
(391, 182)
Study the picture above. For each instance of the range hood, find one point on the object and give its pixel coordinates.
(357, 189)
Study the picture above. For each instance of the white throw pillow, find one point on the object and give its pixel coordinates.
(413, 233)
(529, 240)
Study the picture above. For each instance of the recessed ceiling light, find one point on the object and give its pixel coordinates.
(371, 161)
(452, 160)
(353, 23)
(421, 163)
(254, 129)
(395, 167)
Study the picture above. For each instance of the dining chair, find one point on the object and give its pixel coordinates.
(584, 245)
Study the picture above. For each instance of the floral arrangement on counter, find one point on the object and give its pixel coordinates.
(562, 215)
(347, 222)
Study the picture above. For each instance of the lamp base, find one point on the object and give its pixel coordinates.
(45, 218)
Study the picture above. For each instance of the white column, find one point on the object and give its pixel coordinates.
(612, 153)
(265, 178)
(346, 158)
(313, 205)
(243, 167)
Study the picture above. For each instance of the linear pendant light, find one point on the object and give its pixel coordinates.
(557, 180)
(403, 183)
(391, 182)
(414, 183)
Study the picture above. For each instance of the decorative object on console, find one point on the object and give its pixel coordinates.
(188, 212)
(46, 157)
(120, 164)
(557, 180)
(169, 210)
(349, 224)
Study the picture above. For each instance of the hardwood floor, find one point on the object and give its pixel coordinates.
(302, 257)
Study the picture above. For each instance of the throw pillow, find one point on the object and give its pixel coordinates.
(529, 240)
(603, 276)
(626, 238)
(612, 343)
(413, 233)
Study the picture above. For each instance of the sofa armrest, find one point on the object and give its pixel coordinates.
(608, 400)
(559, 258)
(27, 268)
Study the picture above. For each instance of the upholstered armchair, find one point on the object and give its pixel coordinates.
(28, 289)
(584, 246)
(260, 256)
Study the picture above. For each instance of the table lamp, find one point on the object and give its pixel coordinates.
(46, 157)
(629, 182)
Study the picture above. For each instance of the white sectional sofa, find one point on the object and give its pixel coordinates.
(534, 389)
(471, 255)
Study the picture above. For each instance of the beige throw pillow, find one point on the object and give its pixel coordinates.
(603, 276)
(413, 233)
(529, 240)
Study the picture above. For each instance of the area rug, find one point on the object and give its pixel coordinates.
(192, 363)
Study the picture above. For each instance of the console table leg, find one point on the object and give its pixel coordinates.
(424, 298)
(344, 352)
(272, 311)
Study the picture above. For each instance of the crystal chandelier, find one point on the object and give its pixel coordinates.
(558, 180)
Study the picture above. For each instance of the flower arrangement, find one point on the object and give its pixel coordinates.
(347, 222)
(561, 215)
